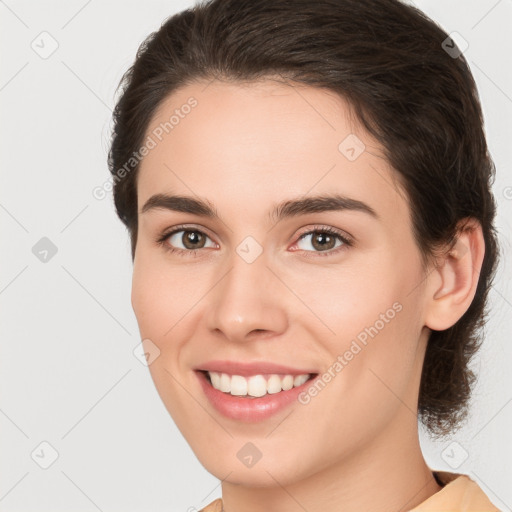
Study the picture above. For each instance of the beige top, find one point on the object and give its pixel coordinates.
(459, 494)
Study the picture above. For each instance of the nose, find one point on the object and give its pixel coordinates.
(248, 302)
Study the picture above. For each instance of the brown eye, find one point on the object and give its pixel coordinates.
(325, 241)
(193, 239)
(185, 241)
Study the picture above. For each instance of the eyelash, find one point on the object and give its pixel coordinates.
(162, 241)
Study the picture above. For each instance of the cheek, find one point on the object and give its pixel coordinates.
(346, 300)
(160, 296)
(375, 325)
(374, 301)
(167, 302)
(162, 311)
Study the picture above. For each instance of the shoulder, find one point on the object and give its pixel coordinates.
(460, 493)
(214, 506)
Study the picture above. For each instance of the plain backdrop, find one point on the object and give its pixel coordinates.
(74, 396)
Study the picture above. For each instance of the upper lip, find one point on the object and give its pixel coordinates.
(253, 368)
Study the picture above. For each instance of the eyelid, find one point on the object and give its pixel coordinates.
(326, 229)
(184, 227)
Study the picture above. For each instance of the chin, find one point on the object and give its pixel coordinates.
(263, 473)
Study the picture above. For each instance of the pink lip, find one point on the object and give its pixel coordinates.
(248, 369)
(249, 410)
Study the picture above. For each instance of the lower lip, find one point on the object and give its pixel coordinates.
(249, 410)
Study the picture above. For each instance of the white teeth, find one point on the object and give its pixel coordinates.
(238, 385)
(225, 382)
(299, 380)
(215, 377)
(256, 385)
(274, 384)
(287, 382)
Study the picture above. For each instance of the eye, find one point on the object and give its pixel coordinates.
(324, 239)
(191, 240)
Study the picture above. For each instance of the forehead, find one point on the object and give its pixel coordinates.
(262, 142)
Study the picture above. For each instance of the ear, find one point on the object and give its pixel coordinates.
(452, 283)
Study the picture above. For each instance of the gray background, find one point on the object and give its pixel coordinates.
(68, 373)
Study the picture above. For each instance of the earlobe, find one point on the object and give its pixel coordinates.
(452, 284)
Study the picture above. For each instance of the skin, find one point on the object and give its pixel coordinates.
(245, 147)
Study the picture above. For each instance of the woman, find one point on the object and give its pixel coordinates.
(307, 190)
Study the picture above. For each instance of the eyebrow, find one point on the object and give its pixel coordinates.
(286, 209)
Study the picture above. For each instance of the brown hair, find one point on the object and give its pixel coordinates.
(420, 102)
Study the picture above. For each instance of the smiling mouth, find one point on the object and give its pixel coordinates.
(255, 386)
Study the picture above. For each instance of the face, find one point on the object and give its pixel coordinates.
(331, 290)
